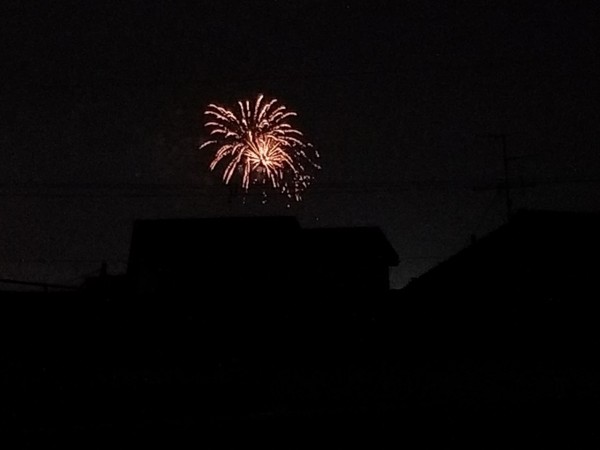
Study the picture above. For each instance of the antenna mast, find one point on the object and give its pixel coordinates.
(505, 159)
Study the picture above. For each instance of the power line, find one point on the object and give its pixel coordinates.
(45, 286)
(159, 190)
(63, 261)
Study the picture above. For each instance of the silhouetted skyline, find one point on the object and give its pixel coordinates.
(210, 342)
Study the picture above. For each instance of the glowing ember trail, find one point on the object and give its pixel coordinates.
(258, 146)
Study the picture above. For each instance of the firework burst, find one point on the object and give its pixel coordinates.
(258, 146)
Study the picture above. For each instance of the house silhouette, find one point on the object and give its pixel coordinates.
(262, 289)
(528, 290)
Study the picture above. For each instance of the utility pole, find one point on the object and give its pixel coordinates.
(506, 183)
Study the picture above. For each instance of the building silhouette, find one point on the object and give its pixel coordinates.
(528, 289)
(242, 323)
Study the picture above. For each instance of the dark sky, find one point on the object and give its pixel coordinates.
(102, 103)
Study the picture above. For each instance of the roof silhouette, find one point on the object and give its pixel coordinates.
(267, 253)
(534, 243)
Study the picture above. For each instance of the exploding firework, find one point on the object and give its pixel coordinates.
(258, 146)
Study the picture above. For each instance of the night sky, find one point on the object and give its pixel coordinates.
(102, 115)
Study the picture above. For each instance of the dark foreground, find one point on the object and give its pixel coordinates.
(153, 380)
(495, 403)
